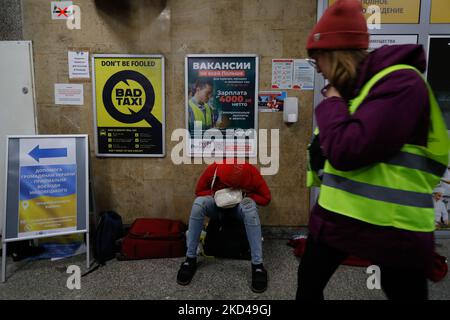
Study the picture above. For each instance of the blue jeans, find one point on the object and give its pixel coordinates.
(246, 211)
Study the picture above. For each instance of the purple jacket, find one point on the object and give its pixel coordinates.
(395, 112)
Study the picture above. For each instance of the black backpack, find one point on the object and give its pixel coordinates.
(226, 238)
(109, 230)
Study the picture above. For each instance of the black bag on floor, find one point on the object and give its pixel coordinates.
(226, 238)
(109, 230)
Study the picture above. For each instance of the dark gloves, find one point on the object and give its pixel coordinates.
(316, 157)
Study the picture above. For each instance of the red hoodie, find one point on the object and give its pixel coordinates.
(239, 176)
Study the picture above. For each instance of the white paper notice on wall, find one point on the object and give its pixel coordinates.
(295, 74)
(379, 40)
(78, 64)
(303, 75)
(61, 10)
(69, 94)
(282, 73)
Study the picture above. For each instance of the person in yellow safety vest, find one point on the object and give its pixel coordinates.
(199, 109)
(385, 146)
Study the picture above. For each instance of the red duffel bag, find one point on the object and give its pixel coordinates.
(154, 238)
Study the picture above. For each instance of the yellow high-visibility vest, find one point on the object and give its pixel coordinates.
(200, 116)
(398, 191)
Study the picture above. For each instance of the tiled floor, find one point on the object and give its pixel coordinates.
(215, 279)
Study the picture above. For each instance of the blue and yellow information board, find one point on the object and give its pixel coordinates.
(48, 186)
(46, 190)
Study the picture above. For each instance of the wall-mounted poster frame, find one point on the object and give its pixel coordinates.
(129, 105)
(393, 11)
(221, 105)
(438, 70)
(379, 40)
(440, 12)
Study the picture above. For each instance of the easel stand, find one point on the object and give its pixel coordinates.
(5, 242)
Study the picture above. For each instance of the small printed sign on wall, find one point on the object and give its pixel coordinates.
(61, 10)
(69, 94)
(294, 74)
(78, 64)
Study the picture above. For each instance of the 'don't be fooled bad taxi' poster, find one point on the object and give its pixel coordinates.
(129, 105)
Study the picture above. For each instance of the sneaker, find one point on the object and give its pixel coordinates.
(259, 278)
(186, 272)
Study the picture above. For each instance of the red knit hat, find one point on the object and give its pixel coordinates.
(342, 26)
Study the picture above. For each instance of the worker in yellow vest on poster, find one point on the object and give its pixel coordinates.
(200, 111)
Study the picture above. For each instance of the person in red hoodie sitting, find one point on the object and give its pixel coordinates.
(256, 192)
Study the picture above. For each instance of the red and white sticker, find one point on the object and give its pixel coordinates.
(61, 10)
